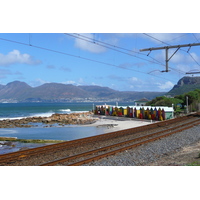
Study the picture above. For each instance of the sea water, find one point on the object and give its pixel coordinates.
(22, 110)
(68, 132)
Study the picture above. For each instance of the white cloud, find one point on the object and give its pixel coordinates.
(88, 46)
(93, 83)
(184, 68)
(164, 37)
(179, 57)
(133, 79)
(69, 82)
(166, 85)
(38, 82)
(81, 81)
(15, 57)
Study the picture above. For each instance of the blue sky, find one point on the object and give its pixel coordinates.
(105, 59)
(34, 48)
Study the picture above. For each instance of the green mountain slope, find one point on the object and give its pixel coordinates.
(185, 85)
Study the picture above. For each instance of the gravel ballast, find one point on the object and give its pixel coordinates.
(147, 154)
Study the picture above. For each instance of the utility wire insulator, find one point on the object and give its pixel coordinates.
(149, 53)
(188, 49)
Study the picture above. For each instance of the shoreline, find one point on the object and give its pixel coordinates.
(61, 119)
(10, 144)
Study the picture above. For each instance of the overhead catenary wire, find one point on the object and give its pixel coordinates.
(195, 37)
(95, 40)
(170, 45)
(97, 43)
(75, 56)
(115, 46)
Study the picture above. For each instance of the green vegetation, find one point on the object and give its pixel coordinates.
(179, 101)
(164, 101)
(195, 163)
(29, 140)
(185, 85)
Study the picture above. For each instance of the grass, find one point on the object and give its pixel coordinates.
(195, 163)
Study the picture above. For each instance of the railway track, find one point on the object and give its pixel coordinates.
(119, 147)
(11, 158)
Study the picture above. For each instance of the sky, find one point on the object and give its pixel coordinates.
(98, 44)
(34, 49)
(111, 60)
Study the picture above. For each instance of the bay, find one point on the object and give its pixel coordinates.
(68, 132)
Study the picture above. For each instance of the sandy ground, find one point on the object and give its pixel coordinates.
(116, 124)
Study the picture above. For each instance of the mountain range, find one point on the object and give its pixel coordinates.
(18, 91)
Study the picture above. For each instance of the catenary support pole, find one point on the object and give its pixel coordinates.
(166, 51)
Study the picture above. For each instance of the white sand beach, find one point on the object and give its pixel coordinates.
(118, 123)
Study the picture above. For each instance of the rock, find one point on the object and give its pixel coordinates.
(74, 118)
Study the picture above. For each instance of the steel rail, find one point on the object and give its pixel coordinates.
(94, 158)
(74, 143)
(92, 138)
(115, 145)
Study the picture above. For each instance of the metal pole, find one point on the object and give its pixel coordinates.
(166, 54)
(187, 111)
(170, 47)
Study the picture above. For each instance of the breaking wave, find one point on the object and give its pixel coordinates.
(65, 110)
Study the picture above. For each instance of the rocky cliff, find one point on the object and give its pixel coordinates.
(185, 85)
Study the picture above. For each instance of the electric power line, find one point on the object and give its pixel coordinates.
(170, 45)
(75, 56)
(157, 62)
(195, 37)
(91, 40)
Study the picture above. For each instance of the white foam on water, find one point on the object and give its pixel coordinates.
(48, 114)
(12, 118)
(68, 111)
(65, 110)
(80, 111)
(43, 114)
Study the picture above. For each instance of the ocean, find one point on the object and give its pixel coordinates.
(22, 110)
